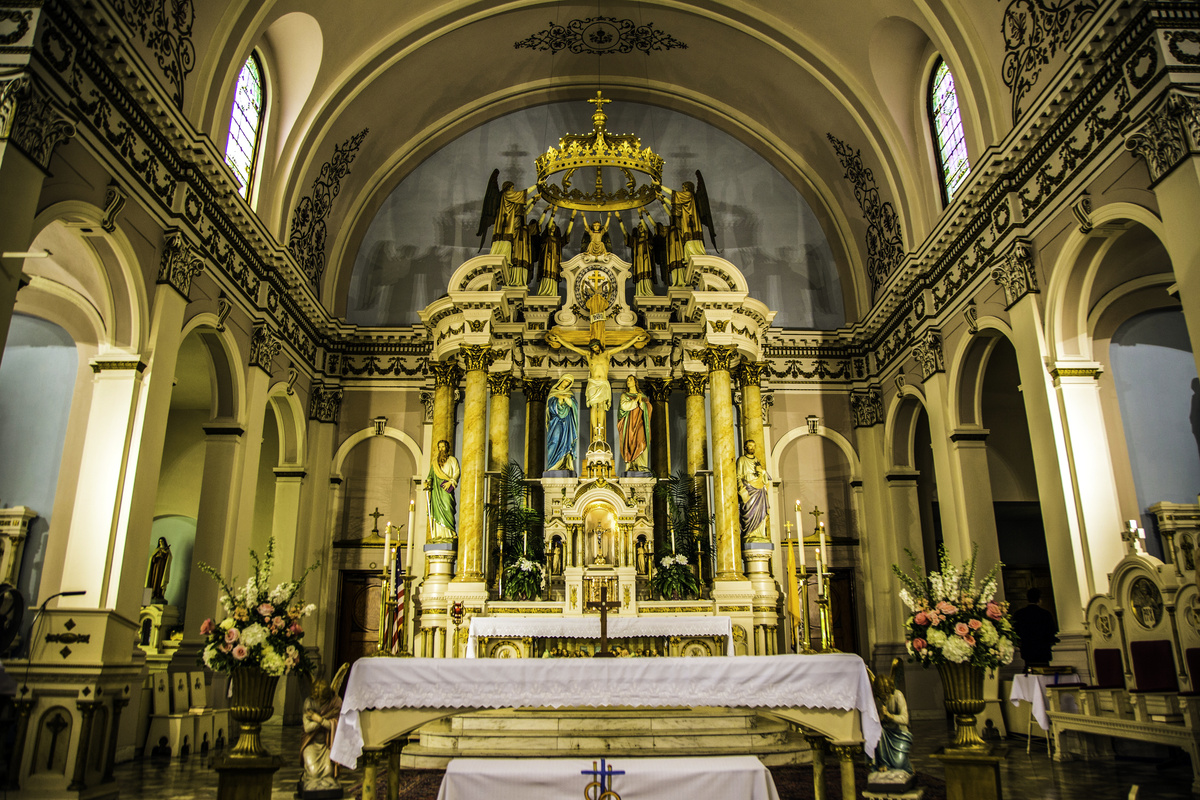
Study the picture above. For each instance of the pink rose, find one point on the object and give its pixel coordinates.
(266, 609)
(207, 627)
(919, 644)
(277, 624)
(240, 652)
(295, 630)
(961, 629)
(934, 618)
(970, 640)
(922, 618)
(231, 635)
(946, 608)
(224, 648)
(994, 612)
(975, 624)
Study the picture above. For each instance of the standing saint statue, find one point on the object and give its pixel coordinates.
(441, 483)
(753, 483)
(599, 358)
(504, 210)
(159, 572)
(562, 426)
(633, 428)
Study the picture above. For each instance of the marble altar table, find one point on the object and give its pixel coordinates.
(742, 777)
(589, 628)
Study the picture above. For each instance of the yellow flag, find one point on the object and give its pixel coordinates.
(794, 594)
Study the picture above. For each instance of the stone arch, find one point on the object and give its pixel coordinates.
(828, 433)
(293, 429)
(227, 379)
(339, 458)
(967, 368)
(901, 426)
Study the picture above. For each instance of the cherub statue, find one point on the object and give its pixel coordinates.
(891, 769)
(321, 711)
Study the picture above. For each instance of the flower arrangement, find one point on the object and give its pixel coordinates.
(674, 578)
(262, 626)
(950, 621)
(523, 579)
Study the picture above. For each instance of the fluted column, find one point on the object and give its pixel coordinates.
(536, 392)
(749, 374)
(721, 360)
(475, 359)
(660, 448)
(445, 379)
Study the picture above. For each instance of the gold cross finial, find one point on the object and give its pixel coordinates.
(599, 117)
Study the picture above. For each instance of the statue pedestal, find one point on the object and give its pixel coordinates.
(972, 774)
(245, 778)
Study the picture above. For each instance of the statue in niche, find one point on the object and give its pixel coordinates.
(753, 483)
(599, 358)
(633, 428)
(320, 717)
(158, 574)
(562, 426)
(441, 483)
(892, 771)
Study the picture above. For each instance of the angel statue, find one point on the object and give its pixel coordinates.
(320, 717)
(689, 209)
(549, 258)
(595, 241)
(504, 209)
(892, 772)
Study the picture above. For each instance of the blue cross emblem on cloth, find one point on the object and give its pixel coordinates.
(605, 773)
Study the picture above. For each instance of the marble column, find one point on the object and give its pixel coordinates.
(697, 456)
(445, 380)
(659, 390)
(721, 360)
(749, 375)
(536, 392)
(499, 386)
(475, 360)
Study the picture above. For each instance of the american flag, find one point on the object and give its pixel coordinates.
(398, 617)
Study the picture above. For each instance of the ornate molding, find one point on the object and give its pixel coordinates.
(1075, 372)
(695, 382)
(115, 198)
(659, 389)
(1014, 272)
(178, 265)
(427, 402)
(866, 407)
(165, 26)
(537, 389)
(885, 243)
(477, 356)
(307, 237)
(445, 373)
(600, 36)
(325, 403)
(719, 357)
(500, 383)
(750, 373)
(927, 352)
(1033, 31)
(768, 400)
(264, 346)
(117, 366)
(29, 120)
(1167, 133)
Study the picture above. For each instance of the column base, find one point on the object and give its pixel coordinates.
(972, 774)
(245, 778)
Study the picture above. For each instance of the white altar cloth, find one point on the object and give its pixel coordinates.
(742, 777)
(589, 628)
(1032, 689)
(834, 681)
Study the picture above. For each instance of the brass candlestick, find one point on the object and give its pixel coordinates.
(805, 618)
(826, 613)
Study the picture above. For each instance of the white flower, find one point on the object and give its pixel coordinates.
(956, 649)
(209, 652)
(254, 634)
(935, 637)
(667, 561)
(988, 633)
(908, 600)
(272, 663)
(308, 609)
(1005, 649)
(227, 623)
(681, 559)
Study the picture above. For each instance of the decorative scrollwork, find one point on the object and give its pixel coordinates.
(165, 26)
(264, 346)
(31, 121)
(885, 245)
(927, 352)
(1175, 42)
(178, 265)
(719, 357)
(325, 403)
(307, 237)
(20, 25)
(1014, 272)
(1034, 30)
(600, 36)
(1167, 133)
(866, 407)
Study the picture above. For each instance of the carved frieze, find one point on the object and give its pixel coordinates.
(866, 407)
(179, 265)
(325, 403)
(927, 352)
(600, 36)
(1015, 273)
(264, 346)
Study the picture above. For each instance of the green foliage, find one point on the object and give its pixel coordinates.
(674, 575)
(520, 528)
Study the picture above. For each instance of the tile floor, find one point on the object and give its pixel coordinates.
(1027, 777)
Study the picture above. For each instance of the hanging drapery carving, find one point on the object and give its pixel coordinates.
(307, 237)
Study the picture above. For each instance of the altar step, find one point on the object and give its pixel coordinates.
(571, 733)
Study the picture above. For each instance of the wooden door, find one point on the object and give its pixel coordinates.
(358, 615)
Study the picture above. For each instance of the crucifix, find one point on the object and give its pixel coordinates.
(1135, 537)
(816, 514)
(604, 605)
(376, 515)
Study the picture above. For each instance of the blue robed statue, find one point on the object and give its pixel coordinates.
(562, 426)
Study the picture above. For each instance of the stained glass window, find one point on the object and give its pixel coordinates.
(953, 166)
(242, 149)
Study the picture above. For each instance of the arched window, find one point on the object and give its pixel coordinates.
(241, 151)
(950, 148)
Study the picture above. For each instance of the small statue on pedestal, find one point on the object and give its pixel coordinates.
(321, 711)
(159, 572)
(753, 484)
(441, 483)
(892, 772)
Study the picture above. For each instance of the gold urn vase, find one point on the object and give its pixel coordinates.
(963, 687)
(252, 703)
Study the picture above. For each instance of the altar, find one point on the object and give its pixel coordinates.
(555, 627)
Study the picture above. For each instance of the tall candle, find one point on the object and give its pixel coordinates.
(824, 551)
(387, 546)
(800, 536)
(412, 505)
(820, 575)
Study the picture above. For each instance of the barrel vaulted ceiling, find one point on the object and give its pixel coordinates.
(778, 75)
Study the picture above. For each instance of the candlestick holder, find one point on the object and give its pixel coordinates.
(805, 645)
(826, 614)
(405, 650)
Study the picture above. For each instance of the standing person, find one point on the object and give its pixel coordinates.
(633, 428)
(562, 426)
(1037, 629)
(753, 484)
(441, 483)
